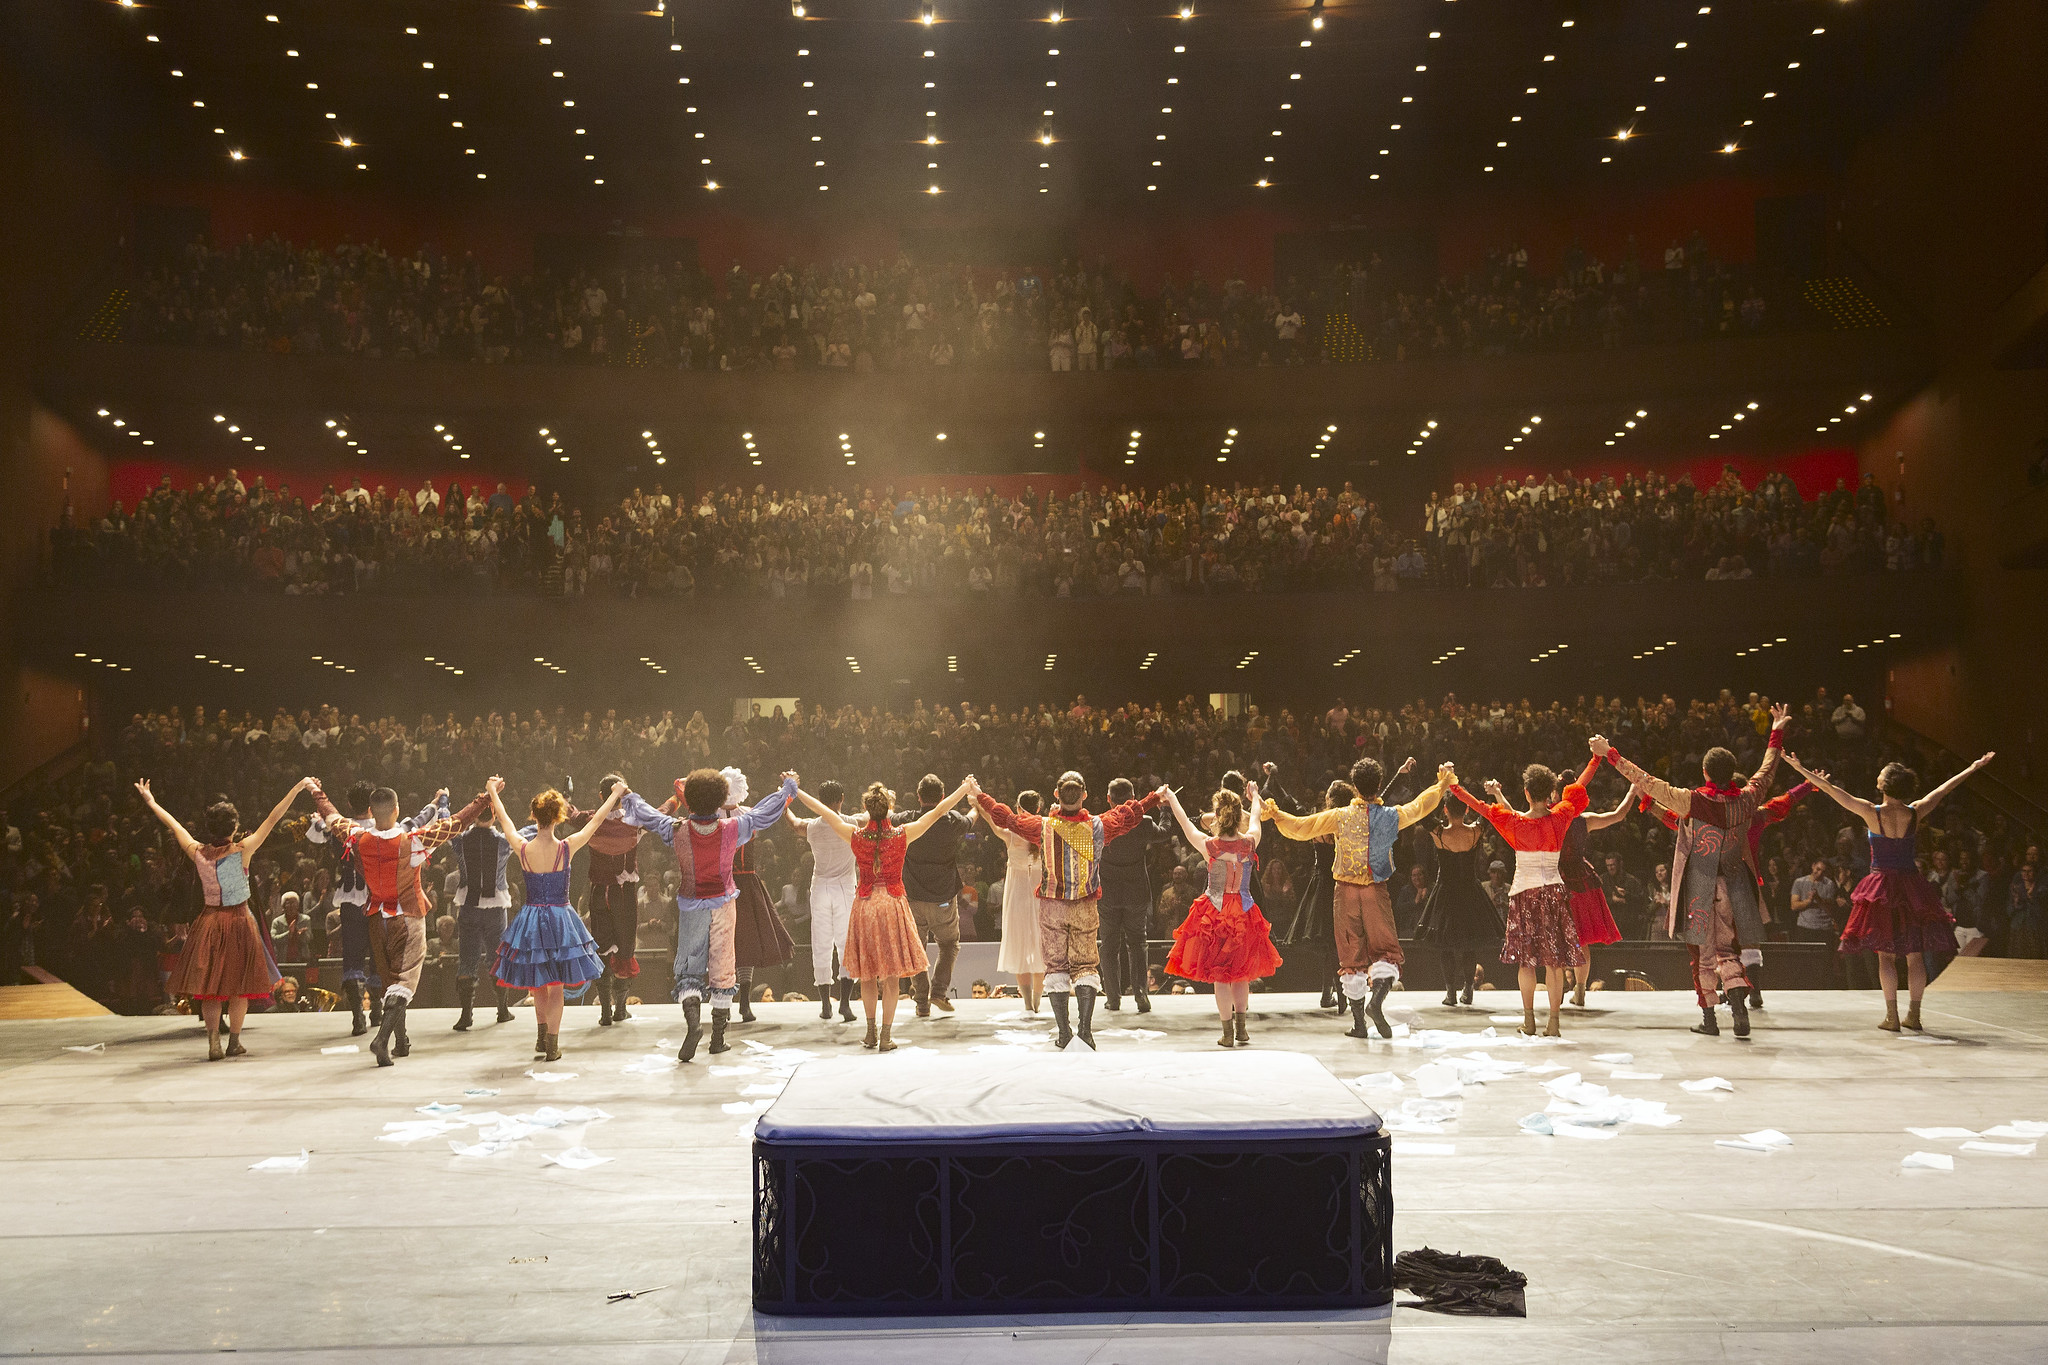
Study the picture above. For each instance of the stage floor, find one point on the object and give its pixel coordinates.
(134, 1227)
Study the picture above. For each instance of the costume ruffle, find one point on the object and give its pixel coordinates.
(1898, 912)
(224, 958)
(547, 945)
(1230, 942)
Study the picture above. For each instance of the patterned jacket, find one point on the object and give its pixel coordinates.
(1071, 843)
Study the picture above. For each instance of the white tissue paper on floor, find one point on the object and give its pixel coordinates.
(1762, 1140)
(1141, 1034)
(436, 1107)
(753, 1046)
(1026, 1036)
(1537, 1123)
(2000, 1148)
(1615, 1058)
(575, 1158)
(547, 1116)
(1566, 1128)
(552, 1076)
(88, 1047)
(1705, 1084)
(1624, 1074)
(334, 1051)
(1941, 1134)
(506, 1130)
(412, 1130)
(284, 1163)
(1477, 1068)
(735, 1070)
(479, 1149)
(1928, 1161)
(1425, 1149)
(1436, 1080)
(1571, 1086)
(653, 1064)
(2018, 1128)
(1075, 1045)
(479, 1093)
(1378, 1080)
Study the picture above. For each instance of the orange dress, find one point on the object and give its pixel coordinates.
(881, 935)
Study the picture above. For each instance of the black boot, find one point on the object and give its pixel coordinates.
(604, 999)
(1708, 1024)
(465, 991)
(719, 1019)
(1450, 966)
(1327, 1002)
(1358, 1028)
(376, 1005)
(1738, 1005)
(381, 1047)
(358, 1026)
(1085, 997)
(504, 1004)
(921, 992)
(1144, 999)
(1465, 996)
(825, 1001)
(846, 994)
(1756, 992)
(693, 1021)
(1372, 1007)
(746, 1010)
(401, 1041)
(619, 1015)
(1059, 1017)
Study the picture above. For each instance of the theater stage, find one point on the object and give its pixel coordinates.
(134, 1228)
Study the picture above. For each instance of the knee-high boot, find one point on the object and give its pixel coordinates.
(1372, 1007)
(394, 1020)
(604, 999)
(358, 1026)
(504, 1004)
(1452, 964)
(1084, 996)
(465, 992)
(1061, 1017)
(846, 993)
(745, 993)
(619, 1015)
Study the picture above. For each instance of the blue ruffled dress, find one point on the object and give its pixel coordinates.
(547, 944)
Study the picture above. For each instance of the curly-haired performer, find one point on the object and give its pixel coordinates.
(224, 962)
(704, 843)
(546, 947)
(1894, 911)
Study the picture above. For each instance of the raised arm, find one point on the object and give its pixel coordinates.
(596, 822)
(251, 842)
(436, 809)
(1120, 820)
(834, 821)
(1677, 800)
(505, 825)
(635, 811)
(178, 831)
(1251, 812)
(1602, 819)
(1855, 805)
(1187, 827)
(1575, 798)
(1429, 798)
(1933, 798)
(1302, 827)
(764, 813)
(935, 814)
(1026, 826)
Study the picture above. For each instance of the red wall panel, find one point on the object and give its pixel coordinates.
(1813, 471)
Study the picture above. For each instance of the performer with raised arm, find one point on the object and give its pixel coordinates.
(1071, 841)
(612, 901)
(351, 894)
(224, 962)
(1591, 917)
(482, 900)
(704, 843)
(832, 885)
(1312, 931)
(1894, 911)
(390, 853)
(1126, 906)
(547, 947)
(1369, 953)
(759, 937)
(883, 943)
(1540, 929)
(1714, 906)
(1225, 940)
(1459, 917)
(1023, 871)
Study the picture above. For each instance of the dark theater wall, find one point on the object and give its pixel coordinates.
(1950, 205)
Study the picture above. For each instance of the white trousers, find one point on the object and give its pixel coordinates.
(831, 903)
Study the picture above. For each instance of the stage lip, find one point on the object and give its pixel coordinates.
(998, 1098)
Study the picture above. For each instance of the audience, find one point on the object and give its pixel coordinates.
(95, 893)
(857, 542)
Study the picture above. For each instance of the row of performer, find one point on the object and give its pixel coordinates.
(864, 915)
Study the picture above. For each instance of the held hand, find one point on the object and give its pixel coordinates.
(1797, 766)
(1447, 774)
(1268, 769)
(1251, 794)
(495, 785)
(142, 785)
(1407, 766)
(1599, 745)
(1822, 773)
(1781, 715)
(1983, 761)
(792, 777)
(441, 797)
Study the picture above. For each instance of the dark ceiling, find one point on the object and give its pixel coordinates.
(610, 107)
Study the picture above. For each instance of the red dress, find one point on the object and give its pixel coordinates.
(1225, 937)
(1590, 911)
(1541, 929)
(881, 935)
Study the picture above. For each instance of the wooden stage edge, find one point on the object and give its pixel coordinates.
(52, 1001)
(1992, 974)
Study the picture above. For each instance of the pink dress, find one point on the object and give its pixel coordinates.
(881, 935)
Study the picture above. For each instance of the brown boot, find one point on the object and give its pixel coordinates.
(1578, 989)
(872, 1037)
(1528, 1028)
(1228, 1039)
(554, 1047)
(887, 1044)
(235, 1048)
(1891, 1017)
(1242, 1039)
(1551, 1029)
(213, 1048)
(1911, 1021)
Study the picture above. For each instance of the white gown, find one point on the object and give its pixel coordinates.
(1020, 951)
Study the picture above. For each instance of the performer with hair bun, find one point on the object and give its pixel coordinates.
(1225, 940)
(224, 962)
(1541, 931)
(883, 944)
(1591, 917)
(546, 947)
(1894, 911)
(704, 843)
(1459, 917)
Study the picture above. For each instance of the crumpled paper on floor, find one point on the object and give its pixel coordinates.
(547, 1116)
(653, 1064)
(2000, 1148)
(1536, 1123)
(335, 1051)
(1942, 1134)
(1436, 1080)
(552, 1076)
(412, 1130)
(1139, 1033)
(479, 1093)
(1928, 1161)
(1615, 1058)
(284, 1163)
(1575, 1088)
(87, 1047)
(436, 1107)
(1566, 1128)
(479, 1148)
(2018, 1128)
(575, 1158)
(1706, 1083)
(757, 1047)
(1378, 1080)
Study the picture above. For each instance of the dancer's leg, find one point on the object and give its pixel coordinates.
(1888, 979)
(1553, 986)
(1916, 977)
(870, 988)
(1031, 984)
